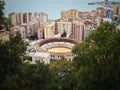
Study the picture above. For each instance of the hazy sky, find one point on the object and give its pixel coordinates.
(51, 7)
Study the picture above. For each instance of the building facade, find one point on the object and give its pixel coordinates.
(30, 28)
(64, 14)
(49, 29)
(19, 29)
(27, 17)
(13, 18)
(109, 13)
(100, 12)
(42, 17)
(116, 10)
(70, 15)
(19, 18)
(78, 30)
(42, 57)
(40, 33)
(63, 26)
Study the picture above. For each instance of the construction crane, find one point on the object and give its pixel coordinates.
(2, 2)
(105, 3)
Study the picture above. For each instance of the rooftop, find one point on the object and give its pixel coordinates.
(41, 54)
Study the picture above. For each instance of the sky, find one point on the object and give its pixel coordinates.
(51, 7)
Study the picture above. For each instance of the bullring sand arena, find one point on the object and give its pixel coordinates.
(59, 50)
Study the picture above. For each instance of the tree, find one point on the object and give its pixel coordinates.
(17, 75)
(2, 18)
(36, 76)
(62, 73)
(98, 60)
(11, 53)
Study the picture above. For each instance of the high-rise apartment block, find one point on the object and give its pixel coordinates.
(64, 14)
(27, 17)
(63, 26)
(49, 29)
(116, 10)
(100, 12)
(13, 18)
(73, 12)
(109, 13)
(78, 30)
(70, 15)
(119, 11)
(19, 18)
(40, 33)
(30, 28)
(42, 17)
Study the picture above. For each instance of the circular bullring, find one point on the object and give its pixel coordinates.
(57, 47)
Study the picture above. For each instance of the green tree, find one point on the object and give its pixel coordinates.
(62, 73)
(13, 82)
(36, 76)
(2, 18)
(17, 75)
(98, 60)
(11, 53)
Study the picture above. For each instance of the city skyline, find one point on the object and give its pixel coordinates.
(51, 7)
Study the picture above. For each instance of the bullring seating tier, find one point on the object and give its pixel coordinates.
(46, 44)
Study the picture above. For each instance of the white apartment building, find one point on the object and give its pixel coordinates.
(63, 26)
(42, 17)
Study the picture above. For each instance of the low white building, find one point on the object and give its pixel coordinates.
(42, 57)
(107, 20)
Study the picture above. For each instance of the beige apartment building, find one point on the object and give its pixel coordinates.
(13, 18)
(20, 18)
(70, 15)
(49, 29)
(116, 10)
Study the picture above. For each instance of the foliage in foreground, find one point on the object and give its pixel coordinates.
(16, 75)
(98, 60)
(96, 66)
